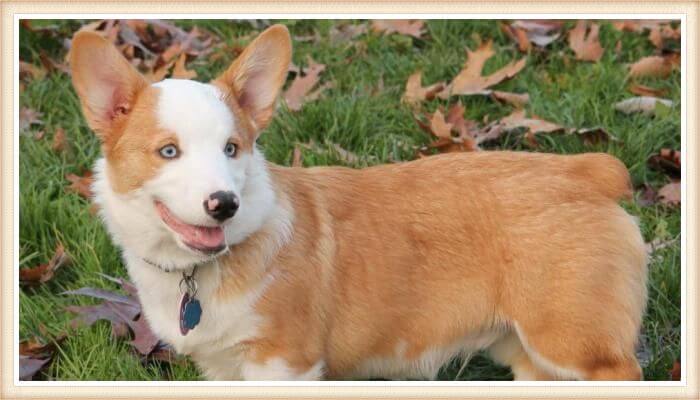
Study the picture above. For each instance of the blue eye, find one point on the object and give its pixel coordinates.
(230, 149)
(169, 151)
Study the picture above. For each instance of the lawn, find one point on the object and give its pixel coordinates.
(364, 114)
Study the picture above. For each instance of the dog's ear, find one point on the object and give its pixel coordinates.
(257, 75)
(106, 83)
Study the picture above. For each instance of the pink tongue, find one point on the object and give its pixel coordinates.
(198, 236)
(202, 236)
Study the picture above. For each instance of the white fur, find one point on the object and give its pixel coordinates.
(427, 365)
(276, 369)
(560, 372)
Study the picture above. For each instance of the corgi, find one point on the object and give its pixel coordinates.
(263, 272)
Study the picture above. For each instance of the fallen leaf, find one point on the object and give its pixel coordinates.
(659, 244)
(517, 35)
(297, 157)
(534, 125)
(407, 27)
(344, 33)
(667, 161)
(670, 194)
(516, 99)
(638, 25)
(645, 104)
(460, 125)
(646, 195)
(44, 272)
(659, 35)
(30, 366)
(120, 310)
(439, 127)
(586, 47)
(642, 90)
(180, 71)
(655, 66)
(81, 184)
(470, 81)
(540, 32)
(295, 95)
(59, 140)
(29, 117)
(29, 72)
(415, 92)
(675, 371)
(593, 136)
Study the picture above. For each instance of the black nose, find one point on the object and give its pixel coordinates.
(221, 205)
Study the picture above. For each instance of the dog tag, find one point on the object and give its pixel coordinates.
(190, 313)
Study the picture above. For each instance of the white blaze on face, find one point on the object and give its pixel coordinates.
(203, 124)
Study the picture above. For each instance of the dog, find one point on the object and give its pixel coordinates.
(263, 272)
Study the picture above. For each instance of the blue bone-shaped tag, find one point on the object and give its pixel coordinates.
(190, 313)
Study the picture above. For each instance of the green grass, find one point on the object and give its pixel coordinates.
(371, 123)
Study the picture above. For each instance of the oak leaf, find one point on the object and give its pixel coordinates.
(586, 47)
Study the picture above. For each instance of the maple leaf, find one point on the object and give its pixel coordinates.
(299, 90)
(645, 104)
(407, 27)
(415, 92)
(586, 47)
(180, 71)
(81, 184)
(44, 272)
(655, 66)
(469, 81)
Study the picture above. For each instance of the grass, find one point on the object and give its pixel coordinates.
(365, 119)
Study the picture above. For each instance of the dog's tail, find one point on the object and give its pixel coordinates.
(607, 174)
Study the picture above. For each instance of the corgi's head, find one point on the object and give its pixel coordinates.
(180, 178)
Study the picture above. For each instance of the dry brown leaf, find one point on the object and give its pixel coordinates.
(658, 35)
(638, 25)
(516, 99)
(297, 93)
(469, 81)
(59, 143)
(645, 104)
(518, 35)
(533, 124)
(642, 90)
(29, 117)
(675, 371)
(44, 272)
(297, 157)
(655, 66)
(402, 26)
(540, 32)
(30, 71)
(586, 47)
(439, 127)
(180, 71)
(415, 92)
(670, 194)
(455, 116)
(667, 161)
(346, 32)
(81, 184)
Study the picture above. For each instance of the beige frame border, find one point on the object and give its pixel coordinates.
(10, 7)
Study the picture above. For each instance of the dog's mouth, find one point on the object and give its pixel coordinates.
(205, 239)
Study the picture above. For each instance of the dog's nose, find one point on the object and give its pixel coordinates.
(221, 205)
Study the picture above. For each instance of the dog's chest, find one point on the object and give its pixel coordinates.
(215, 343)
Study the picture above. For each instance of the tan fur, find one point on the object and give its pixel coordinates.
(430, 251)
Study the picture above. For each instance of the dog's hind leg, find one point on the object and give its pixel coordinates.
(510, 352)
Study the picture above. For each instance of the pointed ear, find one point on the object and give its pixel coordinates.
(106, 83)
(257, 75)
